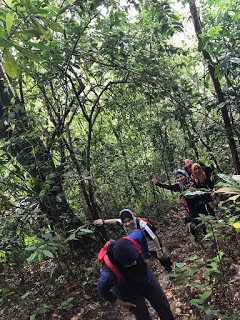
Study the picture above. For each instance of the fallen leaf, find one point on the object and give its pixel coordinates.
(8, 294)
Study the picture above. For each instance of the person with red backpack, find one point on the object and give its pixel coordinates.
(129, 222)
(127, 280)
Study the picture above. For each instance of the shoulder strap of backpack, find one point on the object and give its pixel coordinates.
(103, 252)
(102, 256)
(149, 224)
(138, 223)
(114, 269)
(137, 245)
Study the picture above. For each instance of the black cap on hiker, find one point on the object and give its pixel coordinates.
(125, 252)
(125, 214)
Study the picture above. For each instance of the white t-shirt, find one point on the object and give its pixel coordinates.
(150, 235)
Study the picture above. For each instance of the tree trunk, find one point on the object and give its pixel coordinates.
(36, 159)
(218, 89)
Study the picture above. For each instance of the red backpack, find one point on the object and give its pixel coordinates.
(102, 256)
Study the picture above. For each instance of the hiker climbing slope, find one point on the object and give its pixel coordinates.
(127, 280)
(129, 222)
(204, 180)
(194, 204)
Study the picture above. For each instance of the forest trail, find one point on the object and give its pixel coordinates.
(178, 242)
(74, 296)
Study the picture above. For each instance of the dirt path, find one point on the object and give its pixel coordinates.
(180, 245)
(31, 292)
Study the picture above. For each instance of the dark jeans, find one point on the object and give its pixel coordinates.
(157, 298)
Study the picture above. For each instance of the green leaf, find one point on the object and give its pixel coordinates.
(39, 28)
(26, 4)
(31, 248)
(9, 63)
(32, 257)
(180, 265)
(234, 280)
(48, 253)
(55, 26)
(193, 258)
(5, 43)
(71, 237)
(86, 230)
(9, 22)
(205, 294)
(33, 316)
(28, 53)
(195, 302)
(230, 190)
(38, 45)
(29, 33)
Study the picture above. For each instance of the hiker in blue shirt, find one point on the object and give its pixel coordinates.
(129, 222)
(138, 281)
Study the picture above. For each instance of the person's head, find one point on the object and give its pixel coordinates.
(181, 176)
(197, 172)
(188, 163)
(197, 168)
(127, 218)
(125, 252)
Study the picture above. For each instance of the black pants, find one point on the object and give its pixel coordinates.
(157, 298)
(202, 208)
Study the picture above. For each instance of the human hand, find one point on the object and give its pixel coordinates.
(154, 179)
(98, 222)
(125, 304)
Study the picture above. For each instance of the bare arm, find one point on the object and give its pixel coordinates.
(158, 247)
(100, 222)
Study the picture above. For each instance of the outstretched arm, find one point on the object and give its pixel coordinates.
(100, 222)
(173, 187)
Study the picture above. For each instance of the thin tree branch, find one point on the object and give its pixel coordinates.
(78, 38)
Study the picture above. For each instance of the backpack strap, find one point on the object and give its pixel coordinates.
(146, 220)
(137, 245)
(103, 253)
(138, 223)
(102, 256)
(114, 269)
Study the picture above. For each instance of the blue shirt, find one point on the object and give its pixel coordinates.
(109, 281)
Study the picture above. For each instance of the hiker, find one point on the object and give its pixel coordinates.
(194, 204)
(188, 167)
(126, 279)
(204, 180)
(129, 222)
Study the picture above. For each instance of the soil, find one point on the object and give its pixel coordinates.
(66, 288)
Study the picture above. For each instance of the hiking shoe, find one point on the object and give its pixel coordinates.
(192, 228)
